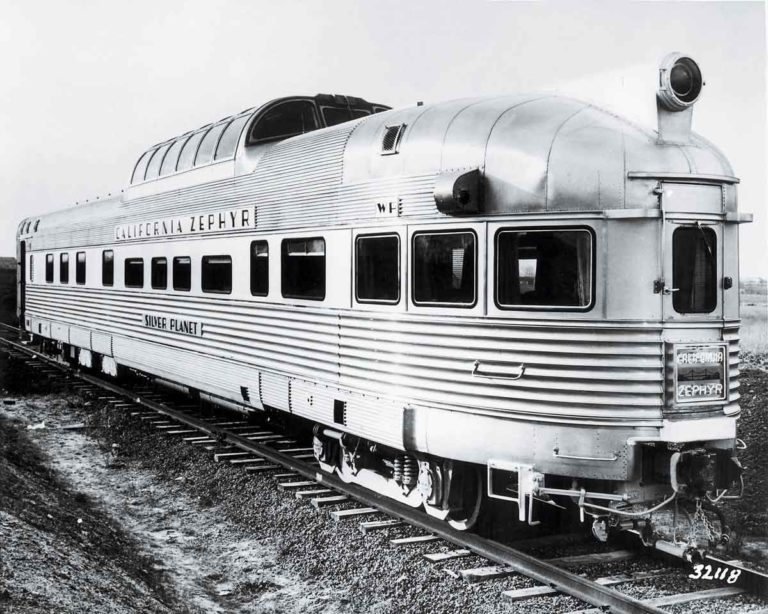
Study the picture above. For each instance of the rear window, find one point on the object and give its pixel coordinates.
(444, 268)
(694, 269)
(285, 120)
(134, 272)
(216, 274)
(544, 268)
(182, 273)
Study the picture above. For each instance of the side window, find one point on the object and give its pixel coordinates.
(49, 268)
(182, 273)
(230, 137)
(303, 268)
(107, 267)
(259, 268)
(31, 267)
(64, 268)
(216, 274)
(134, 272)
(544, 268)
(284, 120)
(208, 145)
(694, 269)
(444, 268)
(159, 273)
(80, 268)
(189, 149)
(377, 269)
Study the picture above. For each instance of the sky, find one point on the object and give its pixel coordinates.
(86, 86)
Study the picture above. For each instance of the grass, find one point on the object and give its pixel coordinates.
(754, 317)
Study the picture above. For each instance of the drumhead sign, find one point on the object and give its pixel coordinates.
(218, 221)
(701, 373)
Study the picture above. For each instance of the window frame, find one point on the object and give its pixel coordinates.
(250, 140)
(152, 263)
(77, 268)
(250, 267)
(173, 274)
(203, 259)
(717, 287)
(559, 308)
(133, 260)
(49, 268)
(476, 285)
(284, 255)
(103, 267)
(380, 235)
(64, 266)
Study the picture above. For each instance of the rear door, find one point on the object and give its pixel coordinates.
(692, 299)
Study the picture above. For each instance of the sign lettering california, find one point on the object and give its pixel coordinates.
(232, 219)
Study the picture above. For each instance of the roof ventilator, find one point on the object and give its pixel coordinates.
(390, 142)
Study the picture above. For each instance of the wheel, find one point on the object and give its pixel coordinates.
(466, 497)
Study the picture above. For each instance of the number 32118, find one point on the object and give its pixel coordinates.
(704, 572)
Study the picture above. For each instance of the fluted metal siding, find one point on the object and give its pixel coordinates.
(582, 371)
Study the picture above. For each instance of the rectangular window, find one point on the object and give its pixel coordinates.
(259, 268)
(544, 268)
(80, 268)
(107, 267)
(134, 272)
(159, 273)
(49, 268)
(64, 268)
(694, 269)
(216, 274)
(444, 268)
(303, 268)
(377, 269)
(182, 273)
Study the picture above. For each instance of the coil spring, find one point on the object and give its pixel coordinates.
(410, 471)
(397, 469)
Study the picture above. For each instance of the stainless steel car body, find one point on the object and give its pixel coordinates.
(595, 381)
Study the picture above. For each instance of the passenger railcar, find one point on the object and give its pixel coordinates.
(520, 297)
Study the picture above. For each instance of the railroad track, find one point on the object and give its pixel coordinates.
(258, 449)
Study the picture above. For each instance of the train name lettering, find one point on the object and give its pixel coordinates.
(173, 325)
(700, 358)
(233, 219)
(699, 390)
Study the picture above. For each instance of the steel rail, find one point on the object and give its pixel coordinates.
(540, 571)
